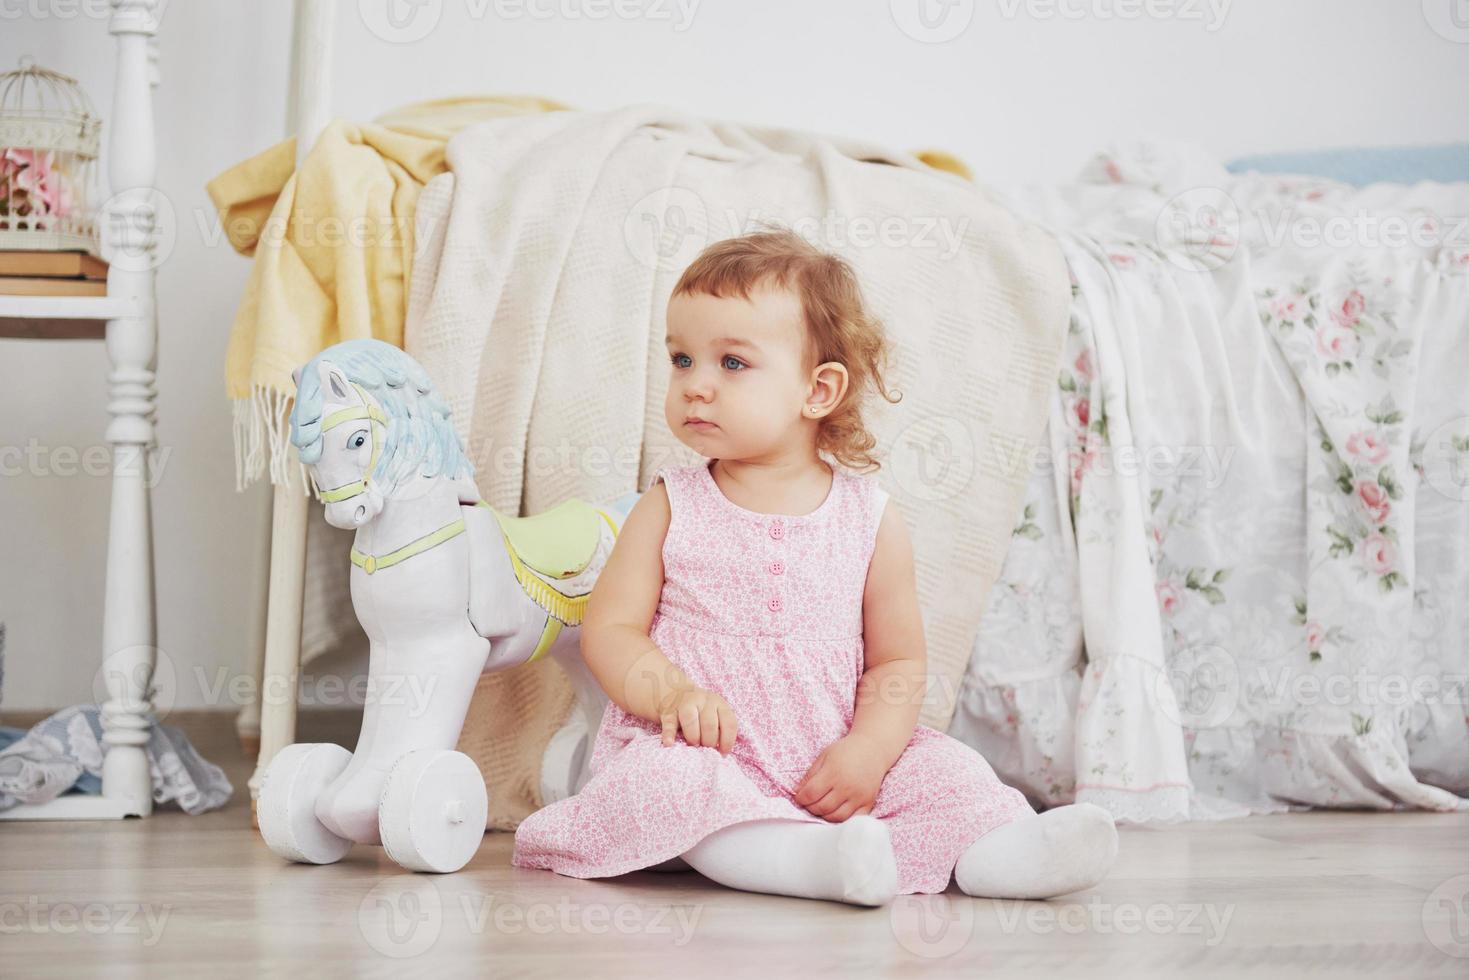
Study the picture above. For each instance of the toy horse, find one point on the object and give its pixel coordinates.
(445, 588)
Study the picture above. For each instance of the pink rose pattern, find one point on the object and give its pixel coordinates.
(1343, 341)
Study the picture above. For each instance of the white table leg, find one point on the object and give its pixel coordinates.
(129, 627)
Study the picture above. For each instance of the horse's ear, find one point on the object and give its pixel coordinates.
(335, 381)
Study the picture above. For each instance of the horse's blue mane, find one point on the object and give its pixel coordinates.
(419, 438)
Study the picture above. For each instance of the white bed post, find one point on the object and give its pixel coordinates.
(311, 56)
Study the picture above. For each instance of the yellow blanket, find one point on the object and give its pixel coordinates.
(333, 248)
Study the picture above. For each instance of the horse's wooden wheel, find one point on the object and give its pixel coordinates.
(287, 804)
(432, 816)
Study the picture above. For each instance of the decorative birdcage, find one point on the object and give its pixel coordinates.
(48, 159)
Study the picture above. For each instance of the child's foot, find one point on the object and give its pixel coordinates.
(869, 871)
(1042, 855)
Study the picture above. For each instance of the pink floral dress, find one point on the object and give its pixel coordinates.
(766, 610)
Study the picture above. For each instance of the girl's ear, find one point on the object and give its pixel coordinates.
(828, 386)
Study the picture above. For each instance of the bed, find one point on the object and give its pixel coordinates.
(1233, 583)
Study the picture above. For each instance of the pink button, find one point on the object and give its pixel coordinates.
(777, 567)
(775, 603)
(777, 531)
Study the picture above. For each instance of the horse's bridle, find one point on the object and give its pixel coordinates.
(372, 414)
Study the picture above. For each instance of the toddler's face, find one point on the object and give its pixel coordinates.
(736, 365)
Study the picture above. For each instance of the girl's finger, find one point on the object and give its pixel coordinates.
(828, 802)
(842, 812)
(709, 725)
(670, 727)
(728, 729)
(811, 786)
(688, 716)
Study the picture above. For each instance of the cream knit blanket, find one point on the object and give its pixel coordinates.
(545, 260)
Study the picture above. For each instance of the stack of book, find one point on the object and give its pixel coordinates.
(52, 274)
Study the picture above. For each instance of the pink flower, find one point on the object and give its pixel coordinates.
(31, 179)
(1336, 343)
(1121, 260)
(1314, 635)
(1114, 173)
(1083, 364)
(1378, 553)
(1288, 308)
(1352, 306)
(1169, 596)
(1367, 447)
(1081, 413)
(1084, 465)
(1374, 498)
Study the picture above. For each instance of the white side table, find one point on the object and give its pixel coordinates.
(126, 318)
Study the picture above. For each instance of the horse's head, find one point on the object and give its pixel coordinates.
(366, 419)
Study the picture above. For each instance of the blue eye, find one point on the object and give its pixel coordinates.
(678, 360)
(359, 440)
(729, 359)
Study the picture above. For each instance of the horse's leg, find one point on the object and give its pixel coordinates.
(417, 698)
(499, 609)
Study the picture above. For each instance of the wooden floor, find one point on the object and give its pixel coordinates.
(1325, 894)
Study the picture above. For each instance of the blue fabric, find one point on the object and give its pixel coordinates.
(1361, 166)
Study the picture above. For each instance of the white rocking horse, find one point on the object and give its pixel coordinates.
(445, 588)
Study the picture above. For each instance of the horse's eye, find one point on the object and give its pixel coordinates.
(358, 442)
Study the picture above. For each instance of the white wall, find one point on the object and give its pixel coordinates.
(1021, 98)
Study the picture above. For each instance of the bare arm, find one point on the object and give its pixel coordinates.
(614, 635)
(847, 776)
(891, 689)
(618, 650)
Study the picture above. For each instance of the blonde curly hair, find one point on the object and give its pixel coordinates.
(838, 325)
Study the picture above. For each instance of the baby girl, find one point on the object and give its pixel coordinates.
(757, 630)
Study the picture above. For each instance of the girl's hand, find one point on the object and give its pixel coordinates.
(844, 780)
(705, 717)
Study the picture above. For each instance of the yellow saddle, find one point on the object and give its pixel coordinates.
(559, 542)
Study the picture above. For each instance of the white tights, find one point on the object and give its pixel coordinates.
(1036, 856)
